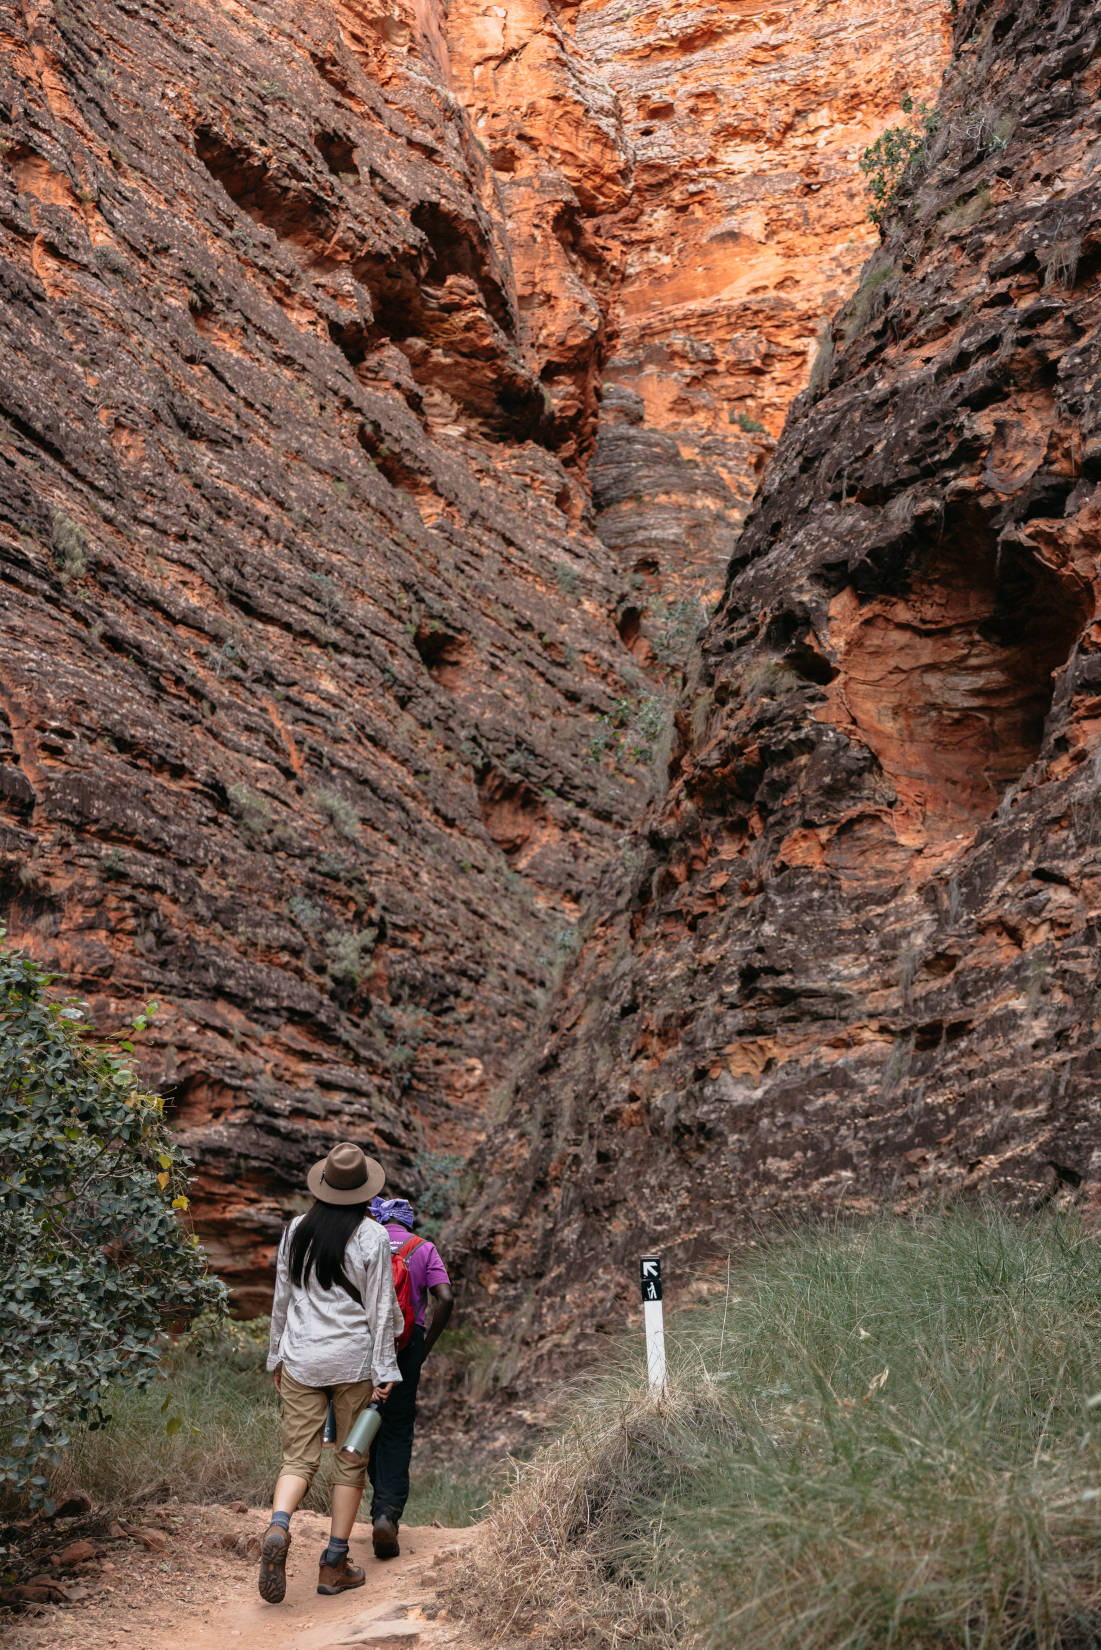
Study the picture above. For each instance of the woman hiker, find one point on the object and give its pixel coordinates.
(388, 1462)
(334, 1322)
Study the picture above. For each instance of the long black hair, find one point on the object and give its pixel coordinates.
(319, 1242)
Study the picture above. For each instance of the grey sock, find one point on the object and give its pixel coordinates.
(283, 1520)
(335, 1551)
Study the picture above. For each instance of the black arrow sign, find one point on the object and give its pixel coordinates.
(650, 1274)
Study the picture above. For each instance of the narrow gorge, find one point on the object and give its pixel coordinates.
(441, 672)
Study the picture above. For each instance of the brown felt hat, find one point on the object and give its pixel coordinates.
(347, 1175)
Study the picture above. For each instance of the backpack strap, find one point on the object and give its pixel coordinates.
(407, 1248)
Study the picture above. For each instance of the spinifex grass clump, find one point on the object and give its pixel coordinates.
(883, 1437)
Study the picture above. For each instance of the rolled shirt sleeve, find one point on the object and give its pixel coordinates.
(279, 1303)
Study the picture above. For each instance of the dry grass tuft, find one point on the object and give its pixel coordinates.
(564, 1555)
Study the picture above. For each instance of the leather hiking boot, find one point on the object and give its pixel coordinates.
(384, 1536)
(338, 1578)
(273, 1563)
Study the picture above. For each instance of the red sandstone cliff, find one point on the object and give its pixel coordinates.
(305, 631)
(323, 702)
(855, 957)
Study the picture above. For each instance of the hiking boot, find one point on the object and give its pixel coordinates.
(338, 1578)
(384, 1536)
(273, 1563)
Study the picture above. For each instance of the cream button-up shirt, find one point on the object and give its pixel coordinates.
(322, 1337)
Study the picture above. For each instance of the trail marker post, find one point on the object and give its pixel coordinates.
(652, 1311)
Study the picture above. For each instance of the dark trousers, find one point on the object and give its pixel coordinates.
(388, 1462)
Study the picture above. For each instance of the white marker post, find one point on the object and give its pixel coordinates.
(652, 1312)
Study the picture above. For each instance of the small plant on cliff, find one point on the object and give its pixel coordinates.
(751, 426)
(439, 1197)
(69, 547)
(871, 297)
(252, 812)
(338, 811)
(889, 160)
(349, 953)
(632, 731)
(94, 1261)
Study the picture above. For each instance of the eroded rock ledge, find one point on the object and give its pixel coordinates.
(856, 955)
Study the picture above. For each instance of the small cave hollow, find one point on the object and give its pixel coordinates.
(249, 183)
(445, 654)
(631, 634)
(947, 668)
(338, 153)
(454, 249)
(514, 816)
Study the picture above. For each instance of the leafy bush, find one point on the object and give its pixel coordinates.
(886, 162)
(887, 1438)
(93, 1258)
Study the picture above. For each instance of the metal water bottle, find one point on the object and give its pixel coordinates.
(358, 1442)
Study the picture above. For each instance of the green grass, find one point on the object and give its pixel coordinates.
(886, 1438)
(221, 1407)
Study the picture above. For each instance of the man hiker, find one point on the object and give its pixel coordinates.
(388, 1463)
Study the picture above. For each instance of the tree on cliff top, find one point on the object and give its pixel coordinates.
(94, 1261)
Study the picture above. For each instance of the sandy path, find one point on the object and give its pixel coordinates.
(198, 1594)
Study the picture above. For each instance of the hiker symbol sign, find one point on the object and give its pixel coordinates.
(652, 1312)
(651, 1279)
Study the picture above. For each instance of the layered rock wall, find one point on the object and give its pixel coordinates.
(322, 703)
(856, 956)
(305, 632)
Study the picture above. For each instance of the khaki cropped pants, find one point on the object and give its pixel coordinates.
(304, 1412)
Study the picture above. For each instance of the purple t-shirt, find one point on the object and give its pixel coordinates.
(426, 1269)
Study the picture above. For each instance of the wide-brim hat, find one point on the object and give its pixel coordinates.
(347, 1175)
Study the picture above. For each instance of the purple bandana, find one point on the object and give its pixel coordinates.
(386, 1209)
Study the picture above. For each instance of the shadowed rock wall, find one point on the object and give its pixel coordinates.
(855, 957)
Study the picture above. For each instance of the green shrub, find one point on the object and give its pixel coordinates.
(438, 1200)
(94, 1261)
(251, 811)
(888, 161)
(877, 287)
(886, 1438)
(349, 953)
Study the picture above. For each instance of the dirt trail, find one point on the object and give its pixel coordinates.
(198, 1592)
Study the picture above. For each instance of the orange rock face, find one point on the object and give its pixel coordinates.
(324, 705)
(306, 634)
(747, 218)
